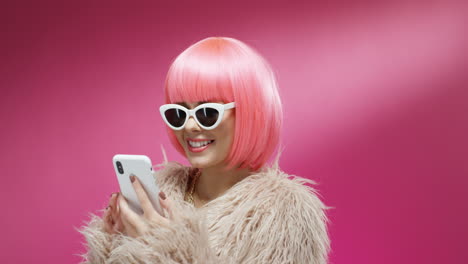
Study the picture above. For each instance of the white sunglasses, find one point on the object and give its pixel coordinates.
(208, 116)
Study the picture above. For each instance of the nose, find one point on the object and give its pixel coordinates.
(192, 125)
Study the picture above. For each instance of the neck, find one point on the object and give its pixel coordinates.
(214, 181)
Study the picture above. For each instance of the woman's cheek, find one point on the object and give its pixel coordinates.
(181, 141)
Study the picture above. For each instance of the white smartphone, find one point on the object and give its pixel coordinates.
(140, 166)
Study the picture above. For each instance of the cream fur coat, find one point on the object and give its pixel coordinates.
(269, 217)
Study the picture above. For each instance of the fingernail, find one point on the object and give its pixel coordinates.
(112, 194)
(162, 195)
(132, 178)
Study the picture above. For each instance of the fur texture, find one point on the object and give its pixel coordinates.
(269, 217)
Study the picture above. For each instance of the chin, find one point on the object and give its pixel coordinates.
(200, 162)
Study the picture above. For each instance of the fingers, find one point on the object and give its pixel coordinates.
(113, 208)
(118, 226)
(145, 202)
(108, 222)
(129, 219)
(111, 218)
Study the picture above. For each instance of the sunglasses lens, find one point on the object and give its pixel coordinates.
(175, 117)
(207, 116)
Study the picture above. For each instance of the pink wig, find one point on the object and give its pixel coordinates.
(228, 70)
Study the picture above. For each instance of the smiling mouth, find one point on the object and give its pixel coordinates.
(199, 144)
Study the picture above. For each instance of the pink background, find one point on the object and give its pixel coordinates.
(375, 101)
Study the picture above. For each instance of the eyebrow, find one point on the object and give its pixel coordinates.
(185, 104)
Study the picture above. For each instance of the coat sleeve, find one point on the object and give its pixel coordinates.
(99, 243)
(185, 241)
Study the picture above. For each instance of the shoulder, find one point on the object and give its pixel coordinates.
(280, 188)
(290, 208)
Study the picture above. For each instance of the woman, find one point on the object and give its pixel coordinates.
(223, 112)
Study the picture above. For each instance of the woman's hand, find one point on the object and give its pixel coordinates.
(112, 222)
(120, 218)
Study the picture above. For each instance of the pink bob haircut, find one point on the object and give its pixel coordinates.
(227, 70)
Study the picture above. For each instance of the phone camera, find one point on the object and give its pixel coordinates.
(119, 167)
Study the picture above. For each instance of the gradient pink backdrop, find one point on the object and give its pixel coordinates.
(375, 101)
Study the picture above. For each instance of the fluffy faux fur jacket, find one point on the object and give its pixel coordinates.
(268, 217)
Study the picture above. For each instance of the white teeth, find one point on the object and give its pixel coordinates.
(197, 144)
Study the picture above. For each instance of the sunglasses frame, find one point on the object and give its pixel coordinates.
(191, 112)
